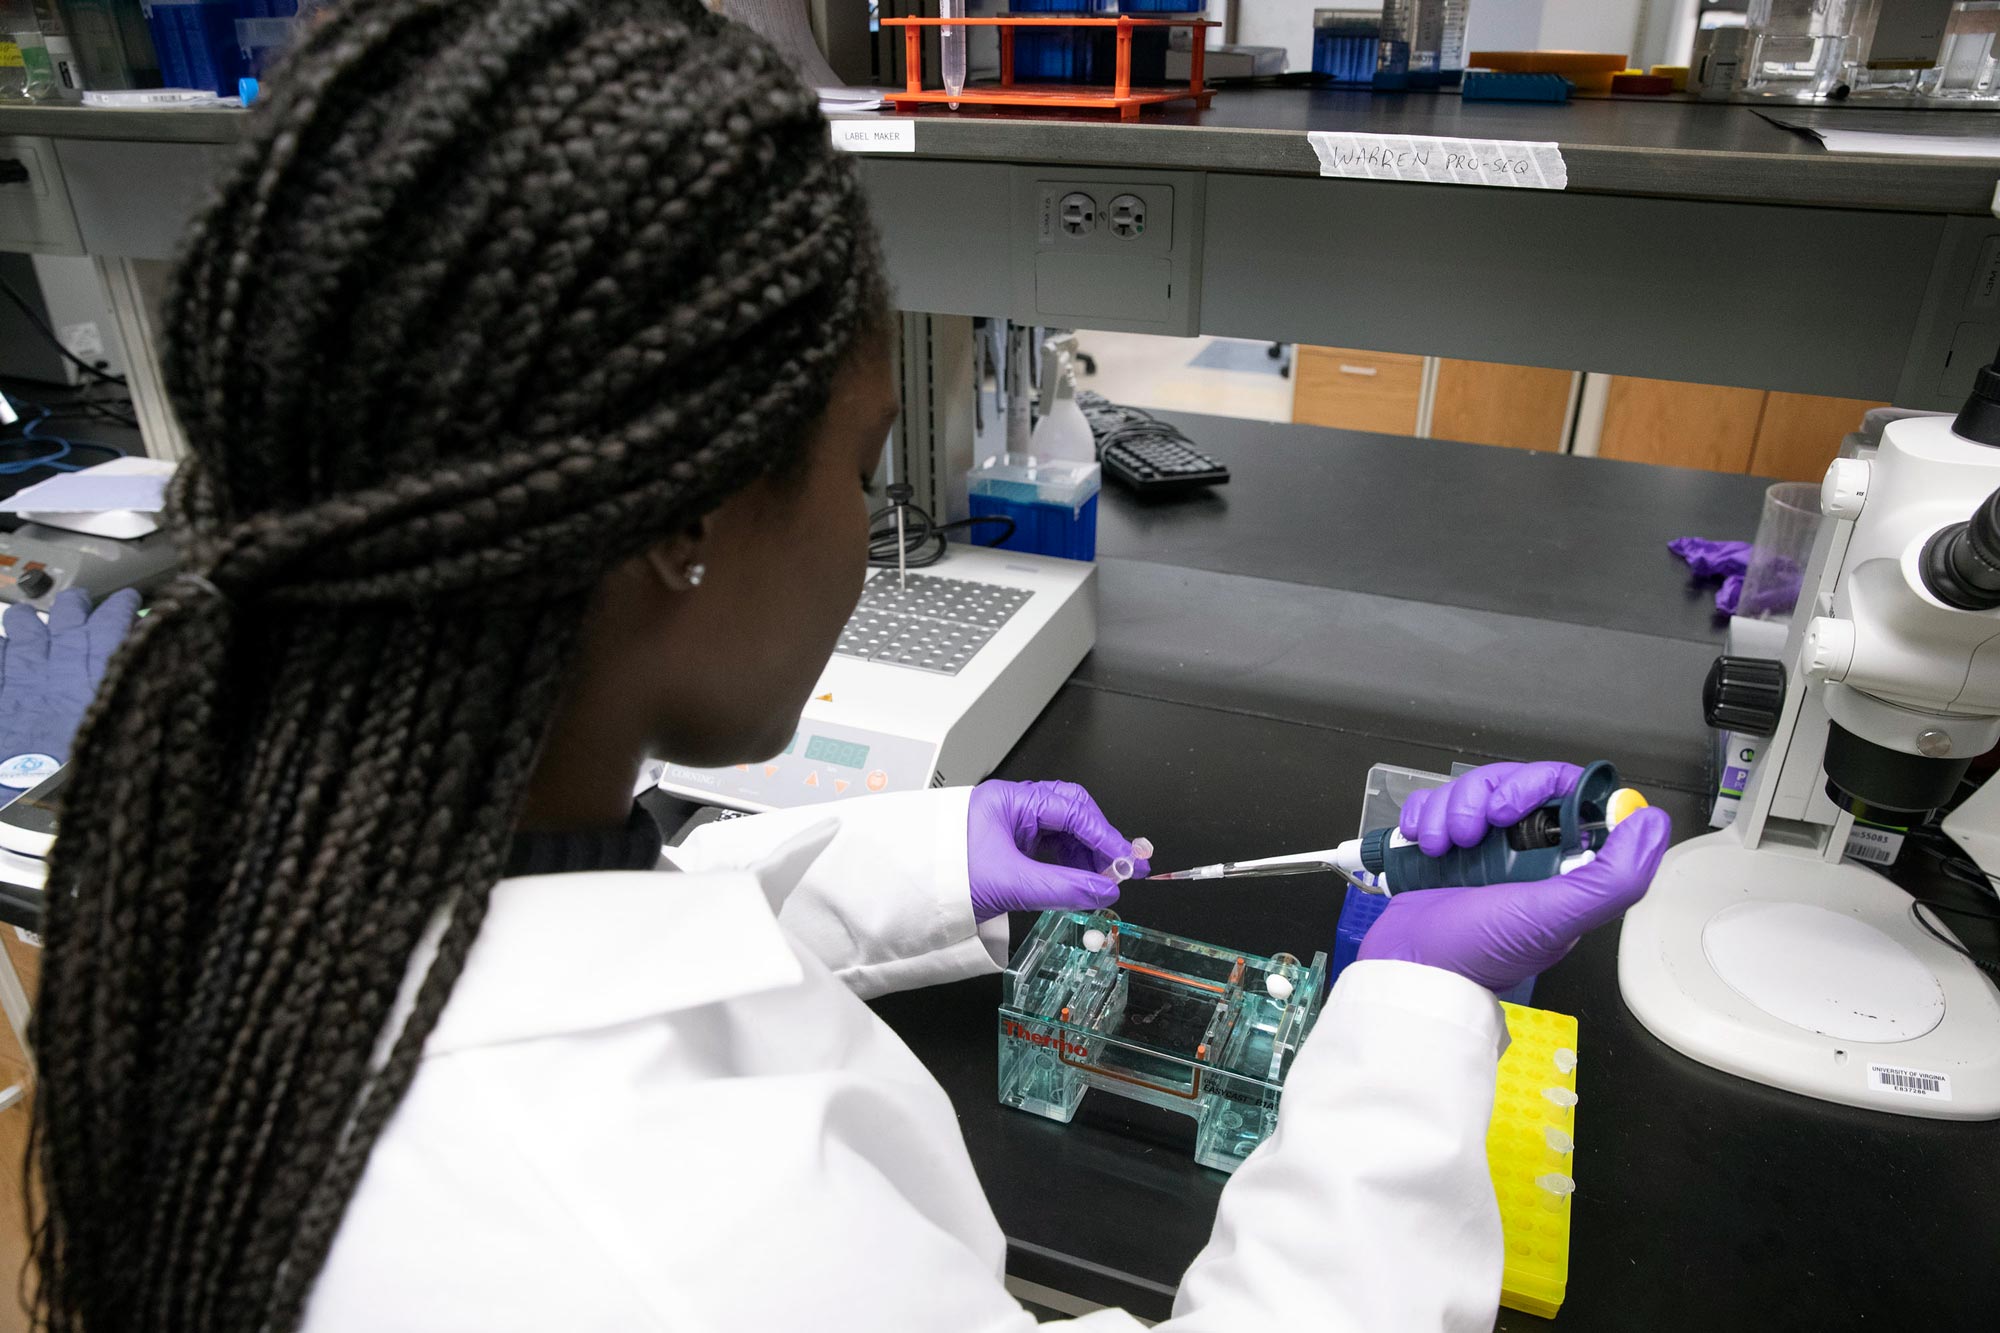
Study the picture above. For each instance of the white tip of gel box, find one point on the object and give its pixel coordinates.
(1094, 940)
(1556, 1183)
(1142, 849)
(1557, 1140)
(1560, 1096)
(1565, 1059)
(1278, 987)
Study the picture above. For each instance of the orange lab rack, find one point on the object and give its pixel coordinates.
(1120, 97)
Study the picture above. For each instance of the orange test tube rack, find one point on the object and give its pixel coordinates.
(1120, 97)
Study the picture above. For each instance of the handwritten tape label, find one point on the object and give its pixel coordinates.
(1506, 163)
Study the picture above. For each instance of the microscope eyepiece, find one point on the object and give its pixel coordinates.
(1961, 564)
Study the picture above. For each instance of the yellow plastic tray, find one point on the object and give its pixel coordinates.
(1529, 1148)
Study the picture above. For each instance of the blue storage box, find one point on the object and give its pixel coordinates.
(1053, 504)
(196, 43)
(1345, 43)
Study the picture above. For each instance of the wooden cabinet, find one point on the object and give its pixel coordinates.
(1789, 436)
(1353, 390)
(1800, 434)
(1685, 425)
(1481, 402)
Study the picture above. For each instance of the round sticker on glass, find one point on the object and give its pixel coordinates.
(27, 770)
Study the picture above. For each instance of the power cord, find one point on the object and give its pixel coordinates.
(923, 538)
(1955, 865)
(42, 326)
(62, 446)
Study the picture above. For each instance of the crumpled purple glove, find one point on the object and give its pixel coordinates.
(1461, 812)
(1708, 559)
(1030, 846)
(1727, 561)
(1498, 935)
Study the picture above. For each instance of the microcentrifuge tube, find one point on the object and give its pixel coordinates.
(1555, 1188)
(1142, 849)
(1560, 1096)
(1120, 869)
(1565, 1059)
(1557, 1140)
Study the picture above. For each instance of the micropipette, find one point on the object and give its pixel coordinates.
(951, 49)
(1343, 860)
(1556, 838)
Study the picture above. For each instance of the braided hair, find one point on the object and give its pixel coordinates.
(497, 295)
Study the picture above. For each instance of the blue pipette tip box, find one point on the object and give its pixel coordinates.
(1487, 85)
(1053, 504)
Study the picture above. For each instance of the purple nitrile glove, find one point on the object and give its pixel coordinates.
(1501, 934)
(1465, 809)
(1030, 846)
(1708, 559)
(1728, 595)
(48, 676)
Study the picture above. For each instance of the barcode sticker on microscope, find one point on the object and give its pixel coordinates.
(1910, 1082)
(1874, 845)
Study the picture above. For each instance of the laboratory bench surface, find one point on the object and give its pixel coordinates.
(1703, 1201)
(1672, 147)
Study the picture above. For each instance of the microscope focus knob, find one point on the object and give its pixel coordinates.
(1845, 488)
(1745, 694)
(1829, 649)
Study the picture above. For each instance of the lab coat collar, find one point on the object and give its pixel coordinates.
(571, 953)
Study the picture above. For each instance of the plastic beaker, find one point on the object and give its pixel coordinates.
(1783, 547)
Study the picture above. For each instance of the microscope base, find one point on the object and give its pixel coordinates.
(1785, 969)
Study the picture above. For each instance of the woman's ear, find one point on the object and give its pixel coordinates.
(677, 562)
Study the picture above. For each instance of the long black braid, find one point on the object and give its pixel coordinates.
(500, 292)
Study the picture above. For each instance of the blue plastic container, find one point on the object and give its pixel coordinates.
(1358, 913)
(1083, 55)
(196, 43)
(1344, 46)
(1064, 55)
(1053, 505)
(1486, 85)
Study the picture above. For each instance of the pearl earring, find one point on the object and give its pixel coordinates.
(694, 574)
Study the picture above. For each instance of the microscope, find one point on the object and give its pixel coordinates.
(1759, 950)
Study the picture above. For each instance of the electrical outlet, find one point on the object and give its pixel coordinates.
(1077, 214)
(1128, 216)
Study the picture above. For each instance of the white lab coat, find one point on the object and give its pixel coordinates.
(656, 1101)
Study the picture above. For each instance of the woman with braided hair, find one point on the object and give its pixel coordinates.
(533, 357)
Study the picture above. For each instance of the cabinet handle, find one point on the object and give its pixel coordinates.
(1358, 370)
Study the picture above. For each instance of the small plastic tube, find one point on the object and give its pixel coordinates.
(1142, 849)
(951, 49)
(1120, 869)
(1555, 1187)
(1565, 1059)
